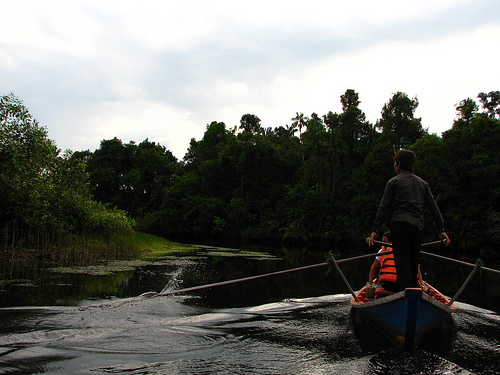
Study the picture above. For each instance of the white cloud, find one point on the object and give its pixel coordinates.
(130, 121)
(439, 73)
(164, 69)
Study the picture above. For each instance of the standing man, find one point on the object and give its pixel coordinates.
(404, 199)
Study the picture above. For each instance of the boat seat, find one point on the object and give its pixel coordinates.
(381, 292)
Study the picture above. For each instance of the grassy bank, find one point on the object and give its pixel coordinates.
(78, 250)
(147, 245)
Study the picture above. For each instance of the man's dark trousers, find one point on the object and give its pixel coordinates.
(406, 242)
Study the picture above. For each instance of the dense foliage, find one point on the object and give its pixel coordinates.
(319, 179)
(46, 204)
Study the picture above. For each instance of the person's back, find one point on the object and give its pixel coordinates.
(410, 193)
(404, 199)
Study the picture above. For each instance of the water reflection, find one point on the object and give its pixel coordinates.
(32, 286)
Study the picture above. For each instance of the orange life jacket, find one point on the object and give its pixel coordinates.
(387, 270)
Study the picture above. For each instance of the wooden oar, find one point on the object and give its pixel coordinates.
(343, 277)
(459, 262)
(457, 294)
(435, 243)
(206, 286)
(428, 244)
(199, 287)
(336, 262)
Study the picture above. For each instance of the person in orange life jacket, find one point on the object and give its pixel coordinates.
(383, 269)
(404, 199)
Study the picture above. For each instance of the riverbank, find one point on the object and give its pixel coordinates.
(80, 251)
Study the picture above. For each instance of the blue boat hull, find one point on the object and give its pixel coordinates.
(405, 317)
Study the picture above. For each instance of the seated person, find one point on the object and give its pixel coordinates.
(383, 269)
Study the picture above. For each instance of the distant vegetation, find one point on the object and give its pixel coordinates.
(319, 179)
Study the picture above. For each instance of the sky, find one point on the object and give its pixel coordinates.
(163, 70)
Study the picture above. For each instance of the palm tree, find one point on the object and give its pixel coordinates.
(299, 121)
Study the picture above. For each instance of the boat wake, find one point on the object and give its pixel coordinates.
(174, 335)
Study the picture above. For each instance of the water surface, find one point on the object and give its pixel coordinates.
(298, 323)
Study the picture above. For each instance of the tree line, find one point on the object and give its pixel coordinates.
(319, 179)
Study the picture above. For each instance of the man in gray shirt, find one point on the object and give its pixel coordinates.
(404, 198)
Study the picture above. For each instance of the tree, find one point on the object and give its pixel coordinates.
(251, 124)
(132, 177)
(106, 167)
(466, 109)
(27, 157)
(474, 197)
(350, 130)
(208, 148)
(316, 148)
(299, 122)
(434, 165)
(491, 103)
(45, 196)
(151, 169)
(349, 99)
(398, 121)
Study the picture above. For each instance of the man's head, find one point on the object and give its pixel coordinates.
(404, 159)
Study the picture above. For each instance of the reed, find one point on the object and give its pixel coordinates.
(78, 248)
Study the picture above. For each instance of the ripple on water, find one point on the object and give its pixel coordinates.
(165, 335)
(416, 362)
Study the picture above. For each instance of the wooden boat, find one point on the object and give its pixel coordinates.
(405, 317)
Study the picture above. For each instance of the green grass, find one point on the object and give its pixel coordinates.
(76, 250)
(150, 245)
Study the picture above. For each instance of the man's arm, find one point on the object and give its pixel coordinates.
(436, 214)
(373, 271)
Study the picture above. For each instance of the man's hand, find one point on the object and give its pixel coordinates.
(371, 240)
(444, 237)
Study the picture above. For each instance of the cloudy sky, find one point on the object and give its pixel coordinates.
(92, 70)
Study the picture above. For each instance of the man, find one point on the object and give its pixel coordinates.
(404, 199)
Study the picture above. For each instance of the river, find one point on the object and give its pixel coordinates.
(95, 321)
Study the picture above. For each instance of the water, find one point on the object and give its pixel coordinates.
(275, 325)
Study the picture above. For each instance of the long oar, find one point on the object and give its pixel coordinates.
(435, 243)
(206, 286)
(471, 275)
(476, 266)
(199, 287)
(428, 244)
(343, 278)
(459, 262)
